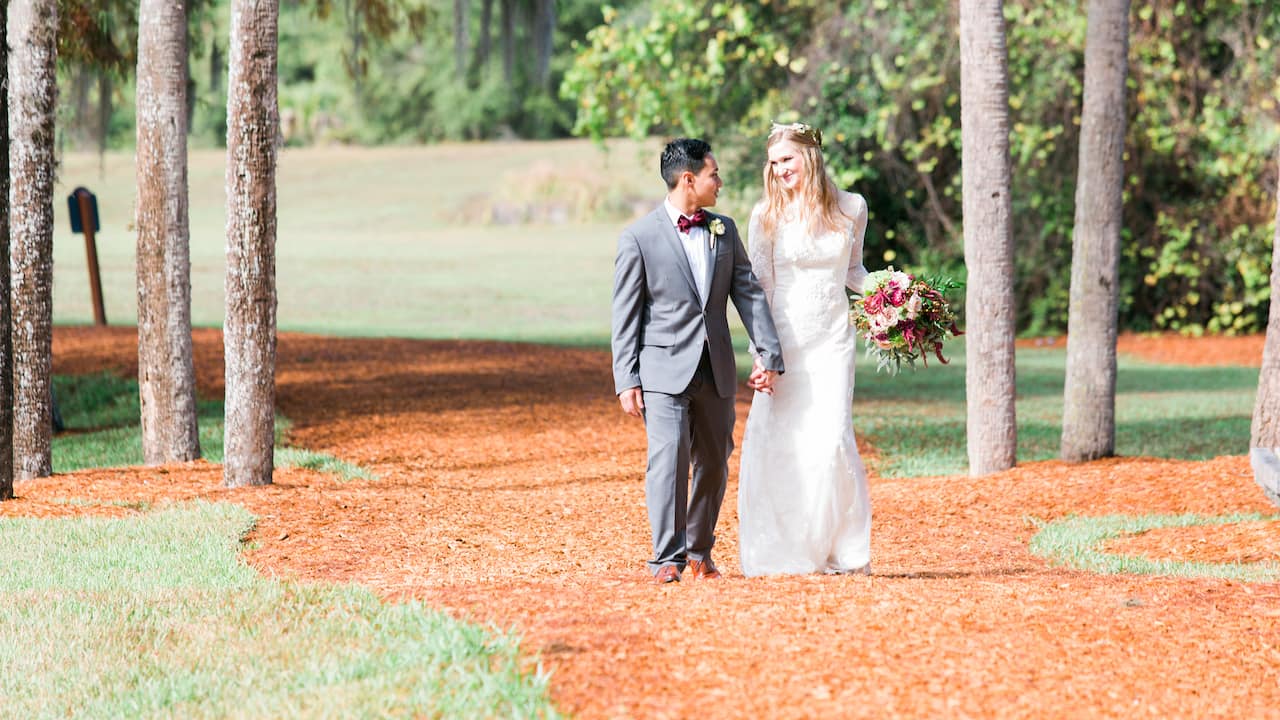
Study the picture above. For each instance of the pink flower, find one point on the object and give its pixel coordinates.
(874, 302)
(914, 305)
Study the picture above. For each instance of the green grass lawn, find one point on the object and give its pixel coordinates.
(373, 242)
(917, 419)
(102, 417)
(1075, 541)
(157, 616)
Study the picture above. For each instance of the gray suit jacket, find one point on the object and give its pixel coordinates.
(659, 323)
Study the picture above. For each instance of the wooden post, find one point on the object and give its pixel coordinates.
(86, 211)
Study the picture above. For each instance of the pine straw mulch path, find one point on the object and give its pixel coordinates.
(510, 492)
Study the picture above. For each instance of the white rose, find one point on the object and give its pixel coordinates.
(889, 316)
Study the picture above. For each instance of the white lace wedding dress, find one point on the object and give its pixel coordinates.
(802, 492)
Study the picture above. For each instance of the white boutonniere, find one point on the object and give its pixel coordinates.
(716, 226)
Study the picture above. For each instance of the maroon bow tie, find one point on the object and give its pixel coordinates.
(698, 219)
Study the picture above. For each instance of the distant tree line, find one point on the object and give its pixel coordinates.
(352, 71)
(882, 80)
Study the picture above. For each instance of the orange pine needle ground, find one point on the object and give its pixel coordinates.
(510, 492)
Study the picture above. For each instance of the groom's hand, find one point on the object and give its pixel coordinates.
(632, 400)
(761, 380)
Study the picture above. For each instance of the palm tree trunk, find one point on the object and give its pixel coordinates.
(253, 120)
(1089, 397)
(6, 343)
(32, 104)
(988, 237)
(1266, 410)
(166, 370)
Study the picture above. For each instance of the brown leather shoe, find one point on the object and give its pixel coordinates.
(703, 570)
(666, 574)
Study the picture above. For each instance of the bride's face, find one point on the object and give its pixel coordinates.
(787, 164)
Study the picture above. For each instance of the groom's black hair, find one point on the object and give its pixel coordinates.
(683, 154)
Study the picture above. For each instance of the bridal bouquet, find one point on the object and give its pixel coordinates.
(902, 317)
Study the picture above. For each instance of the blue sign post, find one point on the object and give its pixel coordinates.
(82, 206)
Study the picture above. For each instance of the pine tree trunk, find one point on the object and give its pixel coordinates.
(6, 345)
(80, 127)
(166, 371)
(1266, 410)
(102, 127)
(355, 31)
(988, 238)
(483, 41)
(508, 9)
(32, 104)
(253, 119)
(461, 32)
(545, 29)
(1089, 397)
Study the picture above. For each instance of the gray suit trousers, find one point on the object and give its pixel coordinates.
(694, 427)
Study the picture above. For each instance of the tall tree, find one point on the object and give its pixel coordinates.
(32, 104)
(1089, 396)
(253, 120)
(988, 237)
(544, 29)
(6, 346)
(484, 40)
(461, 35)
(508, 20)
(166, 370)
(1266, 410)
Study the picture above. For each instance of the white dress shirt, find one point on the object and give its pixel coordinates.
(696, 242)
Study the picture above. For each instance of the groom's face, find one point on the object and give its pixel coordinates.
(707, 184)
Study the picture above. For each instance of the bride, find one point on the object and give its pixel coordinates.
(802, 496)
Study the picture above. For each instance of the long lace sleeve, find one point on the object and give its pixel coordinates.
(856, 207)
(760, 253)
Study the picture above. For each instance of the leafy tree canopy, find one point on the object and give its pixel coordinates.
(881, 77)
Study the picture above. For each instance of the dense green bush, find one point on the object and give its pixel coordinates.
(882, 80)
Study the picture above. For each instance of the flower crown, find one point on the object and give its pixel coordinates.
(799, 129)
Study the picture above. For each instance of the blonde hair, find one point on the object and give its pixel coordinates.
(818, 195)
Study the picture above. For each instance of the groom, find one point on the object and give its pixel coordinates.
(673, 362)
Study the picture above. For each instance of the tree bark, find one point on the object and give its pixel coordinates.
(1266, 410)
(253, 118)
(1089, 397)
(32, 104)
(484, 41)
(988, 238)
(102, 128)
(6, 344)
(461, 39)
(508, 9)
(355, 30)
(544, 29)
(166, 370)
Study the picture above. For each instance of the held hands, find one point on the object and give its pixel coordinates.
(761, 380)
(632, 400)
